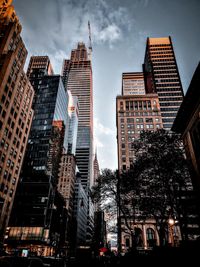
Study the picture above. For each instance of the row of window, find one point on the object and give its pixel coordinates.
(163, 80)
(161, 51)
(162, 88)
(164, 71)
(175, 104)
(132, 120)
(170, 94)
(169, 99)
(163, 57)
(164, 64)
(167, 61)
(140, 126)
(134, 114)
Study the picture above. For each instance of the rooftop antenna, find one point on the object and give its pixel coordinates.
(90, 41)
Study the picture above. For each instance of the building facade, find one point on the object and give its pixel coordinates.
(16, 96)
(38, 206)
(162, 77)
(134, 114)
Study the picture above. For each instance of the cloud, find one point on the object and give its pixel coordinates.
(105, 142)
(111, 33)
(98, 143)
(54, 27)
(100, 129)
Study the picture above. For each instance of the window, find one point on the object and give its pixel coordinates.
(149, 119)
(127, 242)
(150, 236)
(130, 120)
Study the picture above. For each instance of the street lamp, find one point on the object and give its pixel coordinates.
(171, 223)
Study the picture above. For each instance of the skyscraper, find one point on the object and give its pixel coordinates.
(162, 77)
(16, 95)
(77, 77)
(38, 206)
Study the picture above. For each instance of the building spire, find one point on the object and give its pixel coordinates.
(90, 41)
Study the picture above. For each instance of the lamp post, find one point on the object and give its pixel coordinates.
(171, 223)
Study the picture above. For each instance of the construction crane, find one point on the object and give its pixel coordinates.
(90, 41)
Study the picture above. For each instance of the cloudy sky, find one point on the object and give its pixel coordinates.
(119, 31)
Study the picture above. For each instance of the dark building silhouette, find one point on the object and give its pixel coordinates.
(187, 123)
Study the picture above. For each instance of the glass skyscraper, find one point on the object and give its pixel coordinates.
(77, 77)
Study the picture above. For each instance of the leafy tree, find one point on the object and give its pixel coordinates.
(104, 194)
(152, 189)
(112, 194)
(159, 177)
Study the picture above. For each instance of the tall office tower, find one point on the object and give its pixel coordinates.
(133, 83)
(73, 111)
(38, 205)
(134, 114)
(77, 77)
(162, 77)
(16, 95)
